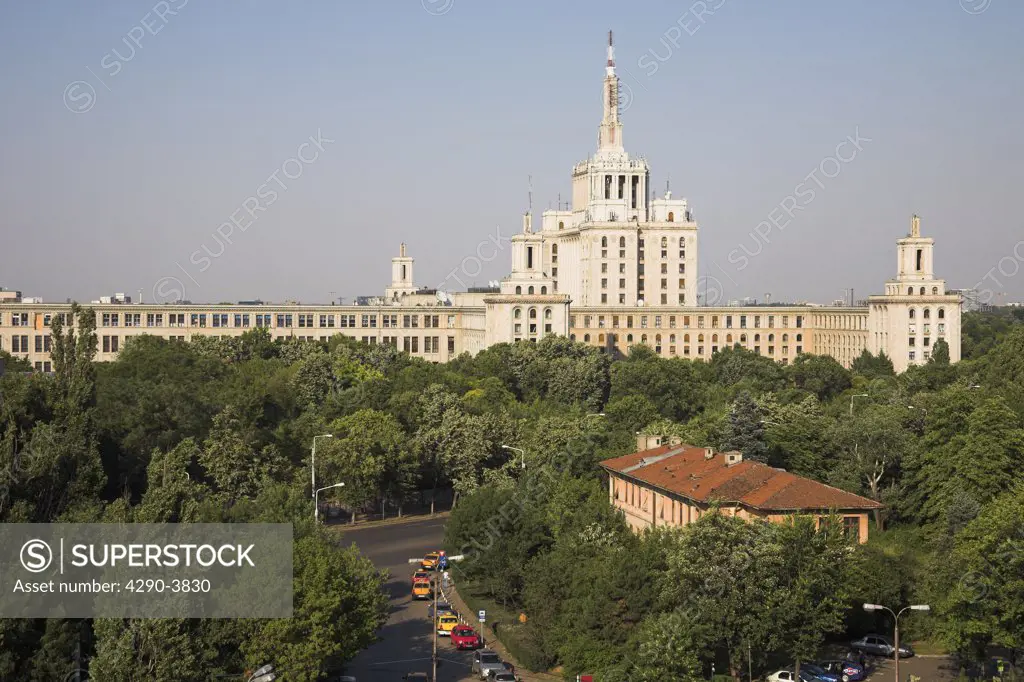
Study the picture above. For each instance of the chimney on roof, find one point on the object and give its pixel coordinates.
(646, 441)
(709, 453)
(733, 457)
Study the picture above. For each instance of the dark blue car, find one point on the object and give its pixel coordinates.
(843, 671)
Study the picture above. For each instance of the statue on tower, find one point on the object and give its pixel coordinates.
(915, 226)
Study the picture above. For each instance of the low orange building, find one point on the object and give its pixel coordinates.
(673, 484)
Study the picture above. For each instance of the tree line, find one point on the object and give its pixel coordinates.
(221, 429)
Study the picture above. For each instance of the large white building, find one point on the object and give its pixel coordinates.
(615, 269)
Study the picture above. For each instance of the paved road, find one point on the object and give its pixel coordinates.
(928, 668)
(405, 643)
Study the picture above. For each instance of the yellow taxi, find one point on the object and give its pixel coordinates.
(421, 590)
(429, 562)
(446, 622)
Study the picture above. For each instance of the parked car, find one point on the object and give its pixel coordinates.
(429, 562)
(502, 676)
(880, 645)
(848, 671)
(446, 622)
(465, 637)
(819, 673)
(442, 607)
(484, 661)
(790, 676)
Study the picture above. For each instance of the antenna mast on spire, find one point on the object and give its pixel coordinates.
(529, 193)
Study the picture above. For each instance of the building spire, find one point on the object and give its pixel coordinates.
(610, 137)
(611, 56)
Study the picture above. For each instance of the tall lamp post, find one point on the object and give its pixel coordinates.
(316, 500)
(521, 452)
(856, 395)
(312, 462)
(871, 608)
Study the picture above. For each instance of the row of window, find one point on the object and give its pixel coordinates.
(927, 313)
(640, 243)
(22, 319)
(267, 320)
(700, 350)
(740, 320)
(640, 269)
(113, 343)
(686, 338)
(20, 343)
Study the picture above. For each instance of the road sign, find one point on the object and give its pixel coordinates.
(482, 615)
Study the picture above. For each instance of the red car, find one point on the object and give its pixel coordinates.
(465, 637)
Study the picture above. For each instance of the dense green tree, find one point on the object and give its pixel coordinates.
(746, 370)
(631, 413)
(981, 461)
(872, 366)
(983, 591)
(664, 650)
(233, 459)
(674, 386)
(820, 374)
(339, 604)
(870, 447)
(369, 454)
(810, 598)
(723, 580)
(797, 437)
(745, 429)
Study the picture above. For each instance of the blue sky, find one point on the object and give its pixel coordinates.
(440, 110)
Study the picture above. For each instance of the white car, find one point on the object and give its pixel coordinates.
(790, 676)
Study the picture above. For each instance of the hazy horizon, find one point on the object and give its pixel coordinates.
(132, 131)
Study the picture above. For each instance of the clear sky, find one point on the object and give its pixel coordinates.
(131, 131)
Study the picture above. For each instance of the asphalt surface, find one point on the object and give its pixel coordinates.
(405, 641)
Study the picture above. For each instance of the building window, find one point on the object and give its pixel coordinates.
(519, 290)
(671, 217)
(451, 345)
(369, 321)
(912, 313)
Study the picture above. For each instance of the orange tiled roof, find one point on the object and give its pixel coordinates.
(686, 471)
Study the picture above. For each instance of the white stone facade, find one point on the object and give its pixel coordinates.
(615, 268)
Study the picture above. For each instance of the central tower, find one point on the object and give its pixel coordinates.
(609, 138)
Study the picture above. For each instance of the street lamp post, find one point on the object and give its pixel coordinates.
(312, 462)
(519, 450)
(316, 500)
(871, 608)
(856, 395)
